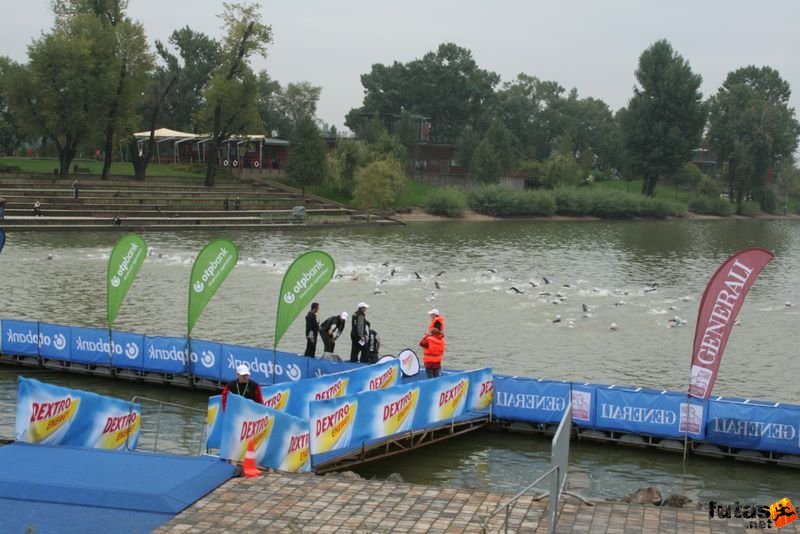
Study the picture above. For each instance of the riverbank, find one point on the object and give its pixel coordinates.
(420, 215)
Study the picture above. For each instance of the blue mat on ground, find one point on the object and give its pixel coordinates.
(64, 489)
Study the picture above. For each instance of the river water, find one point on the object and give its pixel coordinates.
(467, 270)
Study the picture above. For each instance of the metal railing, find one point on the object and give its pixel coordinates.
(158, 416)
(559, 466)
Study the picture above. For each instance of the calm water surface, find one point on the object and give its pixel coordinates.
(607, 266)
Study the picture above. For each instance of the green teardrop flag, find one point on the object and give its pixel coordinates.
(304, 278)
(126, 258)
(210, 269)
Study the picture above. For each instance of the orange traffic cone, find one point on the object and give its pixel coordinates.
(250, 468)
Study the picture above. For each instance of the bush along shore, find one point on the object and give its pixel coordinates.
(498, 201)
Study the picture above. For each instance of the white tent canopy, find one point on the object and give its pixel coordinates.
(166, 133)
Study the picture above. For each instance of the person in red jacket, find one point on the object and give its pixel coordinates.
(242, 386)
(433, 350)
(437, 321)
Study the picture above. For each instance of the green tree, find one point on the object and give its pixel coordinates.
(54, 95)
(10, 133)
(494, 156)
(664, 119)
(231, 94)
(446, 85)
(379, 184)
(307, 153)
(352, 155)
(198, 55)
(751, 127)
(280, 108)
(161, 84)
(122, 59)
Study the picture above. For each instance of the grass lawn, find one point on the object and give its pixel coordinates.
(47, 165)
(664, 190)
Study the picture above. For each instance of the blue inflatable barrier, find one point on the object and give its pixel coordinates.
(753, 425)
(723, 421)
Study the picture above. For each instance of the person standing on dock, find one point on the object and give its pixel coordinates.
(433, 351)
(330, 330)
(437, 321)
(242, 386)
(359, 334)
(312, 330)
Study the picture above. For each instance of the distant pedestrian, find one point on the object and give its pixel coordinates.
(243, 386)
(2, 208)
(437, 321)
(359, 334)
(237, 204)
(226, 204)
(37, 209)
(116, 220)
(433, 351)
(312, 330)
(330, 330)
(76, 189)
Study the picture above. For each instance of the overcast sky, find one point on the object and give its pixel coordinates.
(593, 46)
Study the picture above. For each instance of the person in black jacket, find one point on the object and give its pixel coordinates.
(330, 329)
(312, 330)
(359, 334)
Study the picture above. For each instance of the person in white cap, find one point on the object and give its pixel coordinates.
(359, 334)
(242, 386)
(330, 330)
(437, 321)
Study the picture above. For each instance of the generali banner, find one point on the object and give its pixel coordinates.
(55, 415)
(721, 302)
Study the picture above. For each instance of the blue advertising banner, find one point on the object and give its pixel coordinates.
(350, 420)
(752, 426)
(526, 399)
(55, 341)
(317, 368)
(287, 367)
(648, 412)
(214, 434)
(294, 398)
(2, 234)
(206, 359)
(280, 440)
(91, 346)
(56, 415)
(165, 354)
(20, 337)
(481, 390)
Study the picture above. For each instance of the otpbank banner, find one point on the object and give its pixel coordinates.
(650, 412)
(350, 420)
(294, 398)
(281, 441)
(304, 278)
(754, 425)
(56, 415)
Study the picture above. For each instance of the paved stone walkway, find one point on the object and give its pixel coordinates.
(310, 503)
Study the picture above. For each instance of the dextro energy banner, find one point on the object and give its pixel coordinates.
(210, 269)
(306, 276)
(55, 415)
(350, 420)
(123, 264)
(721, 302)
(294, 398)
(280, 440)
